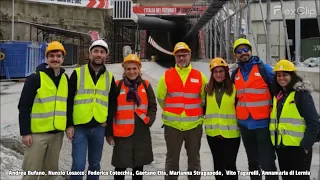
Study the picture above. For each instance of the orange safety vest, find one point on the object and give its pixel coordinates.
(253, 96)
(183, 97)
(123, 124)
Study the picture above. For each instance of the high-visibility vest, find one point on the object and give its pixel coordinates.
(91, 100)
(221, 121)
(290, 127)
(123, 124)
(183, 98)
(49, 110)
(253, 96)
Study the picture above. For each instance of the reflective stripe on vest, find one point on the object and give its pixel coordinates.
(253, 96)
(50, 105)
(123, 125)
(221, 121)
(291, 126)
(91, 100)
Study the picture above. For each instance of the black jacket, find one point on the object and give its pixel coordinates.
(29, 91)
(307, 110)
(112, 99)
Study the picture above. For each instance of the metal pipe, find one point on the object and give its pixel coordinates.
(215, 37)
(285, 31)
(237, 25)
(263, 20)
(221, 35)
(154, 23)
(249, 28)
(268, 36)
(12, 22)
(211, 38)
(228, 26)
(318, 18)
(240, 24)
(207, 40)
(297, 31)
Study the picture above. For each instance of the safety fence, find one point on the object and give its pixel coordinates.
(20, 59)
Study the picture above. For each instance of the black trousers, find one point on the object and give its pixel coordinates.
(293, 158)
(134, 176)
(224, 152)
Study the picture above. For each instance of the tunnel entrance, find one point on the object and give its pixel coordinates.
(167, 40)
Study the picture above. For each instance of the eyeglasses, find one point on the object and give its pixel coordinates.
(181, 55)
(239, 51)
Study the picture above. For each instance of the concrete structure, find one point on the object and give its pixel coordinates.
(74, 18)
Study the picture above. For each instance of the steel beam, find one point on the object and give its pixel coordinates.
(214, 7)
(154, 23)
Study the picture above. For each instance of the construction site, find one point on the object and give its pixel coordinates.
(277, 29)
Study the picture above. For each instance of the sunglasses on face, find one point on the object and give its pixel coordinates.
(239, 51)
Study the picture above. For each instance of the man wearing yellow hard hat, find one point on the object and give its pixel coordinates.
(92, 98)
(294, 124)
(252, 79)
(181, 95)
(43, 112)
(136, 112)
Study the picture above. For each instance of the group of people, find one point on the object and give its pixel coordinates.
(271, 110)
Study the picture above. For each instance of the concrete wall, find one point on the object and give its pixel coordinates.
(74, 18)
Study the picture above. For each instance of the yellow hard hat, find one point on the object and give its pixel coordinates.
(284, 65)
(132, 58)
(241, 41)
(216, 62)
(180, 46)
(55, 46)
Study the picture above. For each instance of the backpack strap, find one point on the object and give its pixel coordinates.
(145, 83)
(264, 75)
(234, 74)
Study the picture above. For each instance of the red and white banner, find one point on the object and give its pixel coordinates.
(168, 10)
(103, 4)
(156, 46)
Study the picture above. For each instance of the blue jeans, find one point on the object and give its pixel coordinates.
(91, 139)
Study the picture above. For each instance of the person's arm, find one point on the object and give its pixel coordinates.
(152, 105)
(307, 110)
(270, 73)
(161, 91)
(28, 94)
(203, 92)
(112, 107)
(72, 89)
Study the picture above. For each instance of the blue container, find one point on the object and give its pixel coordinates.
(21, 59)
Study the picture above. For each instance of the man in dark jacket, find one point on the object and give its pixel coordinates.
(92, 103)
(43, 113)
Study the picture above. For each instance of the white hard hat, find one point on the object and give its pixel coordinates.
(101, 43)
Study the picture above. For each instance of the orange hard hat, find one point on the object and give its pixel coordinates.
(216, 62)
(132, 58)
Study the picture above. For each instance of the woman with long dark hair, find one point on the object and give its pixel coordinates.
(294, 123)
(220, 120)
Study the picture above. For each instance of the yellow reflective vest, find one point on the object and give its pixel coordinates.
(290, 127)
(49, 110)
(91, 100)
(221, 121)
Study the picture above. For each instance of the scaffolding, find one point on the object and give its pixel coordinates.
(233, 21)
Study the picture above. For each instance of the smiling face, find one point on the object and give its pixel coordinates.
(219, 74)
(98, 55)
(243, 53)
(131, 70)
(283, 78)
(182, 57)
(55, 59)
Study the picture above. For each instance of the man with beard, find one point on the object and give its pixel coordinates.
(43, 114)
(181, 95)
(253, 108)
(92, 100)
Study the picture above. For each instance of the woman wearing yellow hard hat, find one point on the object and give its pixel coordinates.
(136, 112)
(220, 119)
(294, 123)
